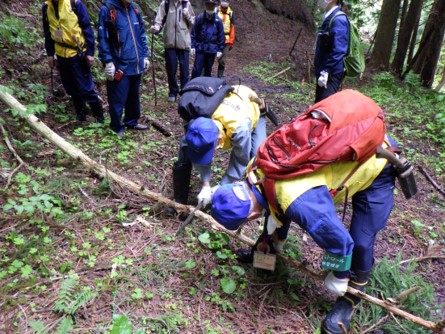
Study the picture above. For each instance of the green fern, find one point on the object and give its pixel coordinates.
(69, 301)
(66, 325)
(37, 326)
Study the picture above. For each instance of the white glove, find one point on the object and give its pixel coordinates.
(110, 70)
(215, 188)
(192, 52)
(338, 286)
(185, 12)
(205, 196)
(218, 54)
(323, 79)
(154, 29)
(146, 63)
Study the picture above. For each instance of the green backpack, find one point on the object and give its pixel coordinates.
(355, 59)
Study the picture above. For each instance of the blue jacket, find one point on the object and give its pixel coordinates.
(127, 47)
(208, 34)
(332, 45)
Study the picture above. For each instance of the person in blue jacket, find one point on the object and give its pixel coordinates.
(331, 48)
(124, 53)
(70, 38)
(207, 40)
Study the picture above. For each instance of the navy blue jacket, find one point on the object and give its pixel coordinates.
(332, 45)
(208, 34)
(128, 47)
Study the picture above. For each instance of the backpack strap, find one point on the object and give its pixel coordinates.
(73, 6)
(166, 8)
(333, 17)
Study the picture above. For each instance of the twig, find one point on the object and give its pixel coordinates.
(281, 72)
(11, 148)
(421, 258)
(382, 320)
(429, 178)
(295, 43)
(391, 308)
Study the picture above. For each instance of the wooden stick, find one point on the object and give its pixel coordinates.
(100, 170)
(296, 40)
(437, 328)
(281, 72)
(429, 178)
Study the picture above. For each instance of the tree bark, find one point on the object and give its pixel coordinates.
(406, 34)
(384, 37)
(425, 61)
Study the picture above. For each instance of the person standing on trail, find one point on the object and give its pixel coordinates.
(207, 40)
(226, 15)
(332, 46)
(124, 53)
(177, 18)
(69, 44)
(238, 123)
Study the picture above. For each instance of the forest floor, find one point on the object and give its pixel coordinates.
(124, 248)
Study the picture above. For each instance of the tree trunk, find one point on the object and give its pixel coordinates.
(384, 37)
(406, 34)
(425, 61)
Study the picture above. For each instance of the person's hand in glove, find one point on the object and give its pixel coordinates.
(110, 70)
(192, 52)
(146, 63)
(338, 286)
(218, 54)
(205, 196)
(154, 29)
(185, 12)
(323, 79)
(215, 188)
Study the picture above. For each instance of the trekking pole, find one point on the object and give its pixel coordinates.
(153, 68)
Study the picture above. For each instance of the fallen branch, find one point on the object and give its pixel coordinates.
(429, 178)
(281, 72)
(295, 42)
(437, 328)
(101, 171)
(11, 148)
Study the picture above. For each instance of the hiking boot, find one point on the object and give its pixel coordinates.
(338, 319)
(244, 255)
(139, 127)
(171, 99)
(81, 118)
(120, 134)
(97, 111)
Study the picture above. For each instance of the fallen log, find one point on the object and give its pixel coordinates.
(101, 171)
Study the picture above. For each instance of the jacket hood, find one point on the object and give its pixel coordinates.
(116, 3)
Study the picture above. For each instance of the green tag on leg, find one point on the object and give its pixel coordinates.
(336, 262)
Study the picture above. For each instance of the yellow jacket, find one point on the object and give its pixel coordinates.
(63, 28)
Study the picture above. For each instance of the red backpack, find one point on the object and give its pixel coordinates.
(347, 126)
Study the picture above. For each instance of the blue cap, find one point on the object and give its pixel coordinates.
(201, 139)
(231, 205)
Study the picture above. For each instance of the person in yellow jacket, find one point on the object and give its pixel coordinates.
(236, 124)
(69, 44)
(309, 201)
(226, 15)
